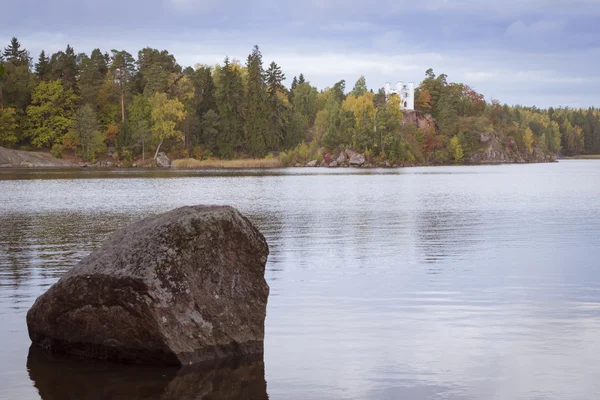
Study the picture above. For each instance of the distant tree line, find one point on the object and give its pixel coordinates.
(112, 102)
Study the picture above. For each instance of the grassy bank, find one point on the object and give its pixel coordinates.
(585, 157)
(246, 163)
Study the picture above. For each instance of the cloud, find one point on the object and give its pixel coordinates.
(537, 51)
(537, 28)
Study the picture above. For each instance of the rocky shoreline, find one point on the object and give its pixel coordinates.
(493, 154)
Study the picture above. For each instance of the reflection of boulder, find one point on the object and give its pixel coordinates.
(58, 378)
(184, 286)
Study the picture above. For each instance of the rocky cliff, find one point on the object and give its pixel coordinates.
(30, 159)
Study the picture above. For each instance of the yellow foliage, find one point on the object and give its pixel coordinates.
(528, 140)
(165, 115)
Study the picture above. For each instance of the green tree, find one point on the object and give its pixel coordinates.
(257, 120)
(360, 87)
(278, 106)
(305, 101)
(64, 67)
(388, 122)
(8, 127)
(17, 83)
(15, 55)
(456, 149)
(93, 71)
(229, 96)
(155, 70)
(43, 69)
(165, 116)
(140, 122)
(50, 114)
(88, 139)
(122, 69)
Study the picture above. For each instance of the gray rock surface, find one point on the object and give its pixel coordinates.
(333, 164)
(341, 158)
(30, 159)
(178, 288)
(357, 160)
(313, 163)
(162, 160)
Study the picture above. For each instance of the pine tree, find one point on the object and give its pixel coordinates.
(43, 69)
(258, 140)
(92, 75)
(64, 67)
(360, 87)
(14, 54)
(301, 79)
(292, 88)
(229, 96)
(277, 108)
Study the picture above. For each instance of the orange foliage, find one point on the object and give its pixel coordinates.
(111, 134)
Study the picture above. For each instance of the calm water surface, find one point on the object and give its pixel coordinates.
(418, 283)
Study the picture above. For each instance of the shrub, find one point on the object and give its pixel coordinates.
(56, 150)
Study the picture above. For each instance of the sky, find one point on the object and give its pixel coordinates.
(529, 52)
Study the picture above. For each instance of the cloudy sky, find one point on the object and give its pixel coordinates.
(531, 52)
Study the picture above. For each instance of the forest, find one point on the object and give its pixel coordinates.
(130, 108)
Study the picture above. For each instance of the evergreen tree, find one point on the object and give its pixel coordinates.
(292, 88)
(360, 87)
(122, 69)
(92, 74)
(257, 126)
(301, 79)
(229, 97)
(17, 83)
(43, 69)
(14, 54)
(278, 107)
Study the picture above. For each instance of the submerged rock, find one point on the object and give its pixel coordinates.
(178, 288)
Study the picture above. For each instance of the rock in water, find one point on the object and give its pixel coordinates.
(178, 288)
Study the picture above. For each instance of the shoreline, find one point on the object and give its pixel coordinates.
(233, 168)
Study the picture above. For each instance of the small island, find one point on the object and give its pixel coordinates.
(106, 109)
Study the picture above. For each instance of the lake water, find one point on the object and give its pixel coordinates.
(478, 282)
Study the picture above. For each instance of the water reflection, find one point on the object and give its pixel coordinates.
(58, 378)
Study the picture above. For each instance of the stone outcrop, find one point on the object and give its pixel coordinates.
(357, 160)
(30, 159)
(313, 163)
(178, 288)
(341, 158)
(419, 120)
(162, 160)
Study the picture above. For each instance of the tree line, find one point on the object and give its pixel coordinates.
(114, 103)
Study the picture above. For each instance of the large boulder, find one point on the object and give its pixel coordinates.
(178, 288)
(341, 158)
(313, 163)
(357, 160)
(162, 160)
